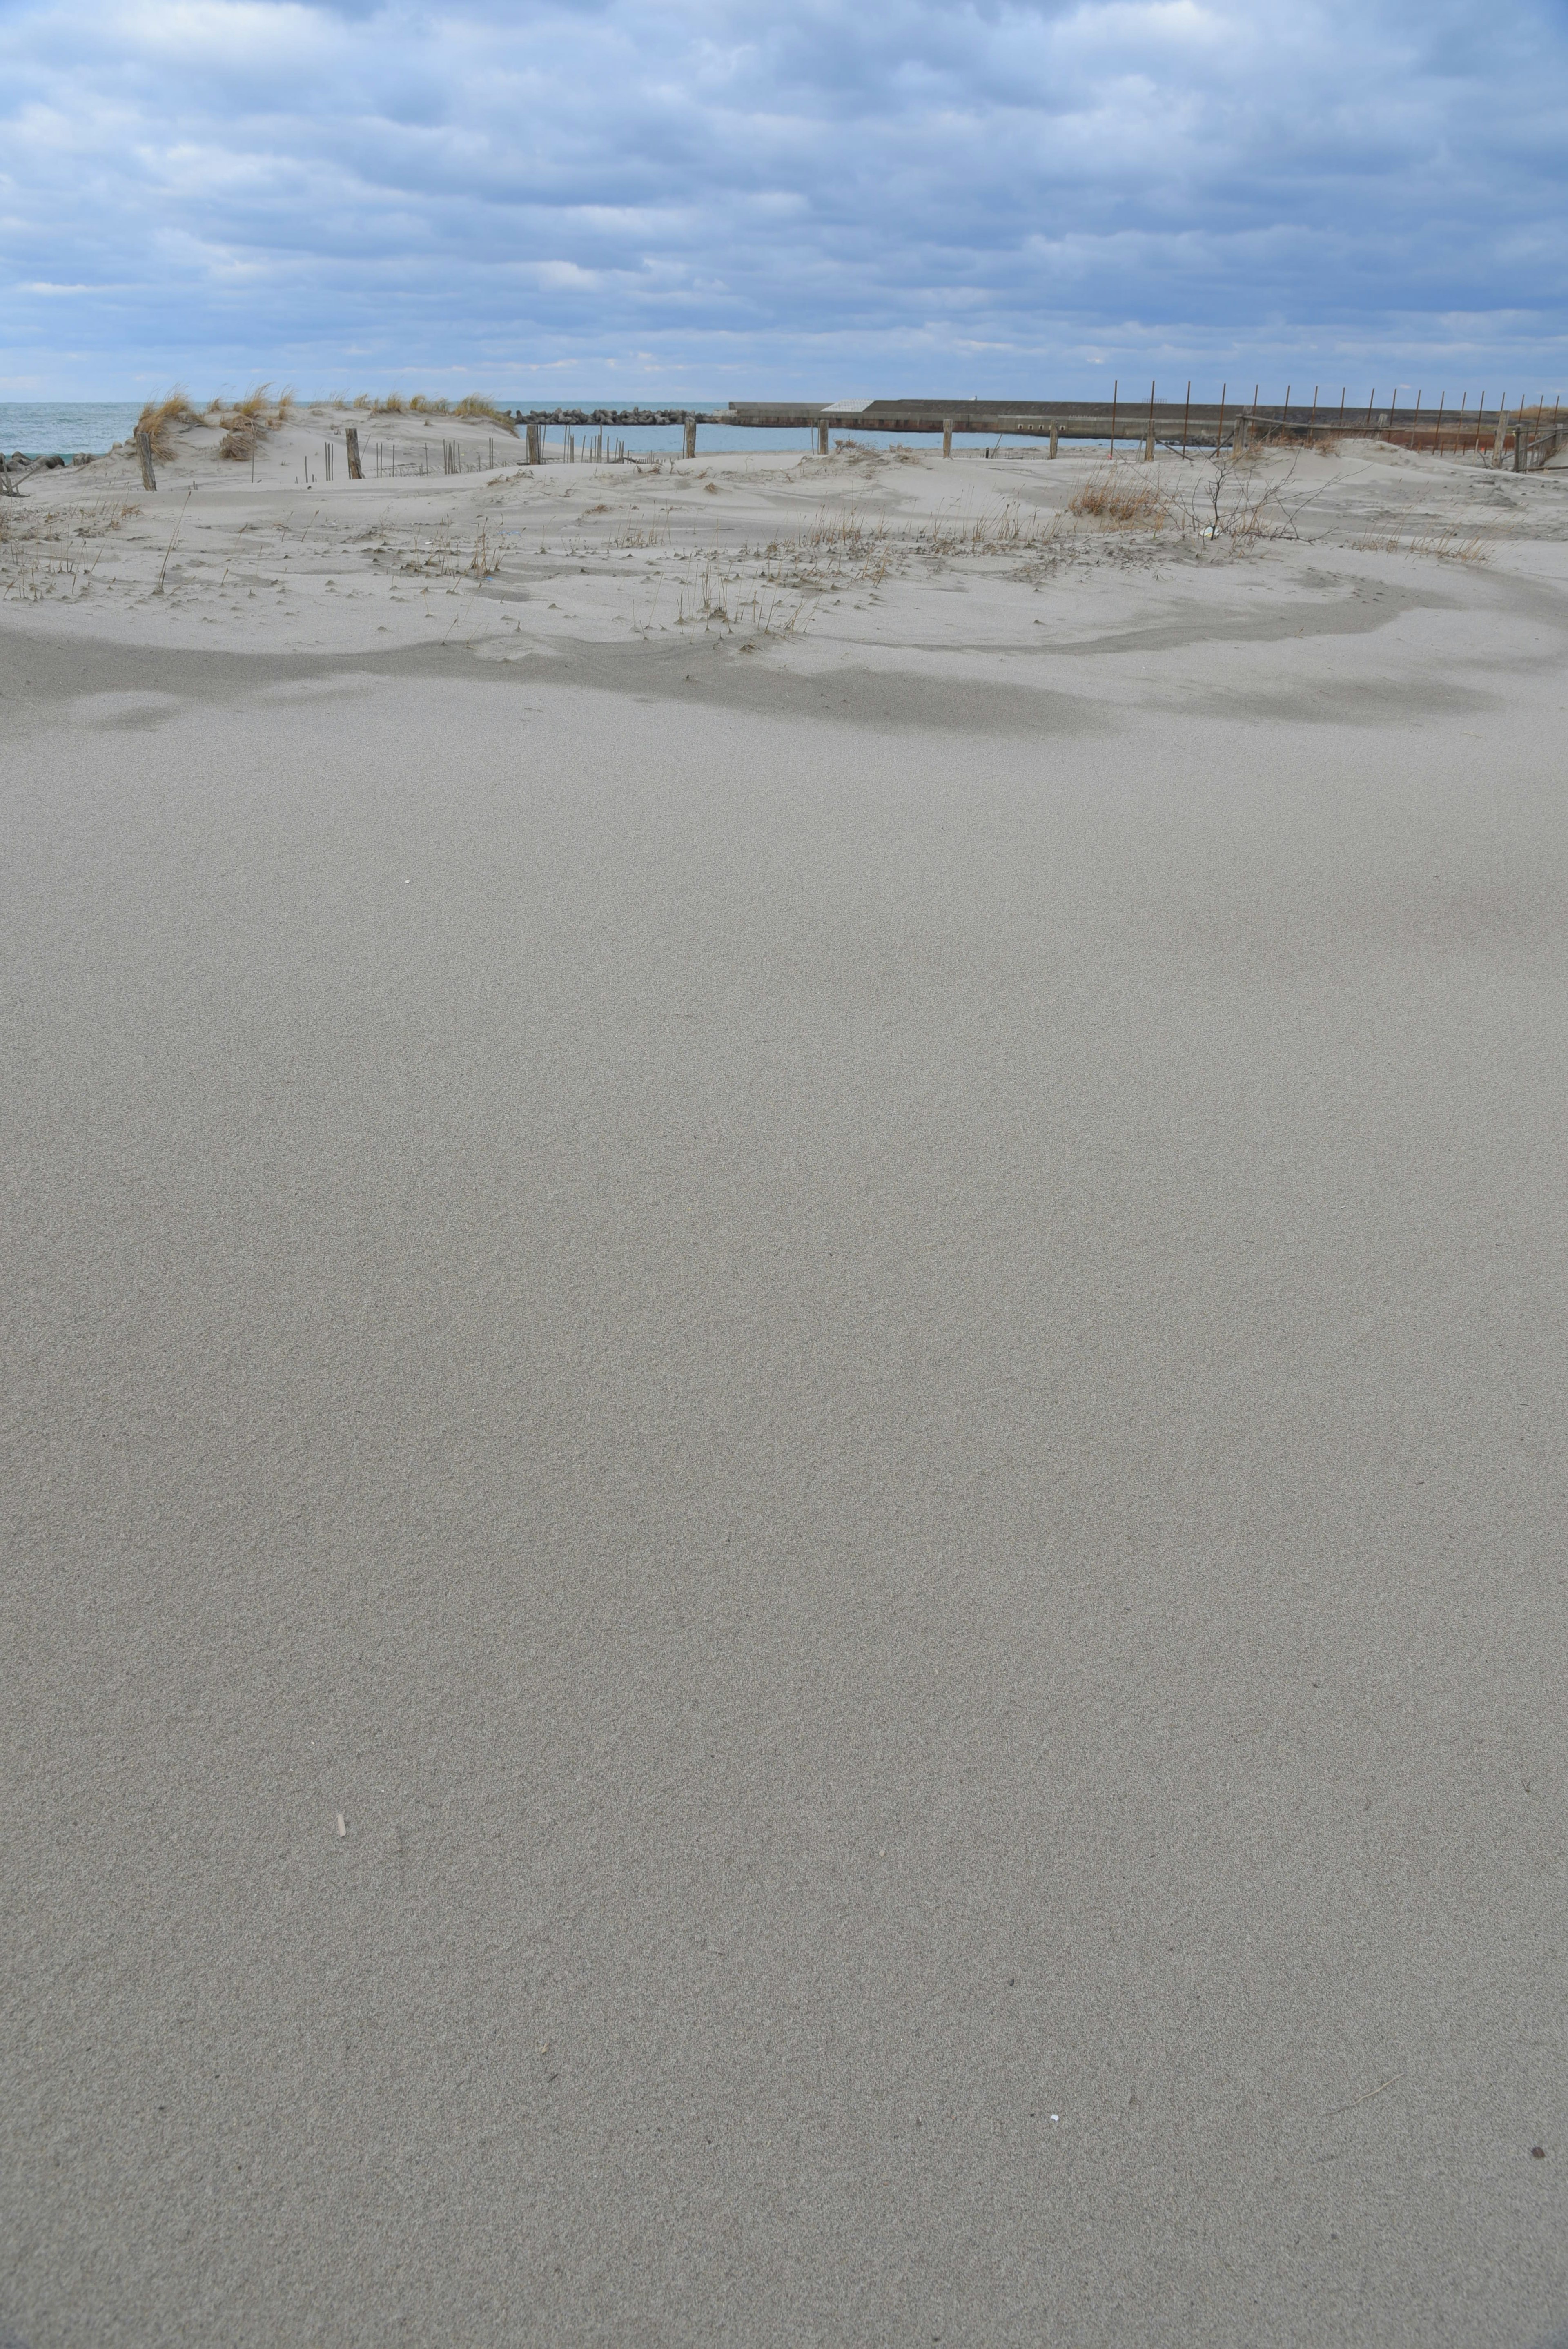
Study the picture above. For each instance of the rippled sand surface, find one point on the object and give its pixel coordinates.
(783, 1304)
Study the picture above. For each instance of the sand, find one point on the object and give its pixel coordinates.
(784, 1409)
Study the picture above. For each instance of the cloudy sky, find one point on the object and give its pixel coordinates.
(693, 198)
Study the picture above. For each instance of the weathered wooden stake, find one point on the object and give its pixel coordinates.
(1053, 440)
(351, 442)
(1186, 412)
(690, 443)
(947, 436)
(1115, 388)
(144, 458)
(1148, 437)
(1500, 443)
(821, 439)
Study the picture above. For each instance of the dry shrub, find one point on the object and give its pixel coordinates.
(423, 406)
(391, 404)
(247, 423)
(1117, 504)
(160, 419)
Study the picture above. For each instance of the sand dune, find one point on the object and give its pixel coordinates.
(784, 1302)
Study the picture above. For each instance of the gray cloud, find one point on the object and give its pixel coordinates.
(710, 197)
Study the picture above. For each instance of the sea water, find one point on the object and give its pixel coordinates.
(64, 427)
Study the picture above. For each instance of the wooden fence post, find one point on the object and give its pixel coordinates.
(947, 436)
(690, 443)
(1053, 440)
(821, 439)
(351, 442)
(144, 458)
(1500, 440)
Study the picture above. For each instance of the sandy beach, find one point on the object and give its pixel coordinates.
(784, 1296)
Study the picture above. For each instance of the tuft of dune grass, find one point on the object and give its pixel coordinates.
(475, 405)
(247, 421)
(1119, 503)
(160, 419)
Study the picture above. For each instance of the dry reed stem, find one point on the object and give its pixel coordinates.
(1448, 545)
